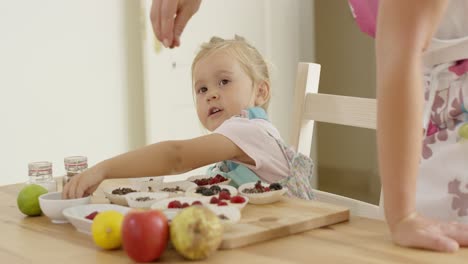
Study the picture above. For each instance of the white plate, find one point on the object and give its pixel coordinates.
(231, 212)
(154, 196)
(143, 183)
(52, 205)
(76, 215)
(117, 198)
(196, 177)
(192, 191)
(262, 198)
(184, 185)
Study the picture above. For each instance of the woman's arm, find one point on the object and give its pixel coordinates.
(164, 158)
(404, 30)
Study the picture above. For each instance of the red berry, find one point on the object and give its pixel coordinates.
(222, 203)
(213, 181)
(197, 203)
(92, 215)
(214, 200)
(224, 195)
(258, 185)
(185, 205)
(204, 182)
(237, 199)
(174, 204)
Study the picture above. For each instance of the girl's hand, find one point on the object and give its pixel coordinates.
(169, 18)
(83, 184)
(420, 232)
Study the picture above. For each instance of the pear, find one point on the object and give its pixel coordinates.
(196, 232)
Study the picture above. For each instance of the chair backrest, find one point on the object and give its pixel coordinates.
(310, 106)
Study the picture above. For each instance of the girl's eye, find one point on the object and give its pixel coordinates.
(223, 82)
(202, 90)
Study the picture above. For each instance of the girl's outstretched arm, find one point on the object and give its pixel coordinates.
(163, 158)
(404, 30)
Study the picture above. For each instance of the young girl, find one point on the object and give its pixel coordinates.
(433, 184)
(231, 85)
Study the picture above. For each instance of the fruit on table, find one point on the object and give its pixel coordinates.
(237, 199)
(214, 200)
(92, 215)
(196, 232)
(222, 199)
(224, 195)
(28, 199)
(145, 235)
(210, 180)
(275, 186)
(197, 203)
(106, 229)
(123, 191)
(212, 190)
(259, 188)
(176, 204)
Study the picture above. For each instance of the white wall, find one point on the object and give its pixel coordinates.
(63, 81)
(289, 32)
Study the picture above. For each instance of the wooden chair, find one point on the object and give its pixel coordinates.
(310, 106)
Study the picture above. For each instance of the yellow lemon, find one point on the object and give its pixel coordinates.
(28, 199)
(106, 229)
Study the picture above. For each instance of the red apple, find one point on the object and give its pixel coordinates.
(145, 235)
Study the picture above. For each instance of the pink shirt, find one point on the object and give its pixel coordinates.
(251, 135)
(451, 32)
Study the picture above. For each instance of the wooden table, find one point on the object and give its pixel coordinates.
(37, 240)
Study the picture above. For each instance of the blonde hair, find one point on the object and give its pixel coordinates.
(249, 58)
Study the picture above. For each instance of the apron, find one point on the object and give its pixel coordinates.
(442, 185)
(298, 182)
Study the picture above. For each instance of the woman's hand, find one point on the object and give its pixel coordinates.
(84, 184)
(169, 18)
(420, 232)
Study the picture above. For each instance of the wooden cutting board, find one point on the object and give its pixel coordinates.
(283, 218)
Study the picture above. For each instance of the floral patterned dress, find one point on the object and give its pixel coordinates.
(298, 182)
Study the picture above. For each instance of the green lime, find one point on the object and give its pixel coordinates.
(28, 199)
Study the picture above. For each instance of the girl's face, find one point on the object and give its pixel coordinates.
(222, 89)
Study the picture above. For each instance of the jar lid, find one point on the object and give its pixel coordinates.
(75, 160)
(40, 168)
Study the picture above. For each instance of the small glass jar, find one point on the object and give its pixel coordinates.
(74, 165)
(40, 173)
